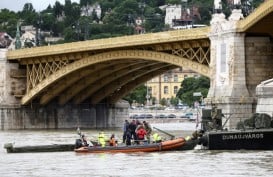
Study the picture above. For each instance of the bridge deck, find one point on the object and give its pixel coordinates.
(94, 46)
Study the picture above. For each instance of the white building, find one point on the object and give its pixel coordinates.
(181, 17)
(88, 10)
(28, 37)
(172, 12)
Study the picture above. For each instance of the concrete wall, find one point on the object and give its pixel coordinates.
(259, 61)
(264, 93)
(10, 85)
(63, 117)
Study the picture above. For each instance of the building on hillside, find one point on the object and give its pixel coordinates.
(181, 16)
(167, 85)
(139, 29)
(172, 12)
(28, 39)
(5, 40)
(90, 9)
(51, 40)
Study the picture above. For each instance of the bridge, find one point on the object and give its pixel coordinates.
(101, 67)
(235, 53)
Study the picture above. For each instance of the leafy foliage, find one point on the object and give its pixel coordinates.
(138, 95)
(8, 21)
(191, 85)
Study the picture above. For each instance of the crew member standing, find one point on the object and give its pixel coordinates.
(125, 129)
(101, 139)
(148, 129)
(132, 127)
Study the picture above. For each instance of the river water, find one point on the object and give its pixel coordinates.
(191, 163)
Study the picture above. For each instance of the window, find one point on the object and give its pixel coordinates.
(175, 89)
(166, 90)
(175, 78)
(166, 78)
(185, 76)
(149, 90)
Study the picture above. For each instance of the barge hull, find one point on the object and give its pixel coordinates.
(250, 140)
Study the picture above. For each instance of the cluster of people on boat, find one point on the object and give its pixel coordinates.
(134, 132)
(138, 132)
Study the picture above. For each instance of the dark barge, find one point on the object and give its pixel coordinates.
(255, 133)
(39, 148)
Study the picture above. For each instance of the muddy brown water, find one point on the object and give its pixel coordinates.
(191, 163)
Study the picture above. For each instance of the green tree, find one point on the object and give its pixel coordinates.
(119, 15)
(48, 21)
(138, 95)
(163, 102)
(58, 9)
(173, 1)
(8, 22)
(205, 9)
(191, 85)
(72, 13)
(28, 15)
(174, 100)
(86, 2)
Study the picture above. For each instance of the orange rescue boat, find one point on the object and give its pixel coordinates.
(153, 147)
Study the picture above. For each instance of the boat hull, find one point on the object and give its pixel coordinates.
(189, 145)
(39, 148)
(164, 146)
(258, 139)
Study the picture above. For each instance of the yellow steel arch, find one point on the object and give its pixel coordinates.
(109, 86)
(131, 85)
(64, 86)
(258, 14)
(110, 56)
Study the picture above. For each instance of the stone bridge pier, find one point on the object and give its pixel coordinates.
(238, 64)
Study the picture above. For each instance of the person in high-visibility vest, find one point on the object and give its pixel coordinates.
(156, 138)
(101, 139)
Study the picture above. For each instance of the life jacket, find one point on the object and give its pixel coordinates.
(112, 142)
(156, 137)
(101, 139)
(141, 133)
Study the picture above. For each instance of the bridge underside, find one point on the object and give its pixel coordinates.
(108, 81)
(264, 27)
(259, 23)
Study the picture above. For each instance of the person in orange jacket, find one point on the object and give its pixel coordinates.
(112, 141)
(141, 133)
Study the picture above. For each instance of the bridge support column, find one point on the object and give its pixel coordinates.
(228, 90)
(11, 84)
(264, 92)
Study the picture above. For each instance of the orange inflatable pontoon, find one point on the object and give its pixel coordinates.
(153, 147)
